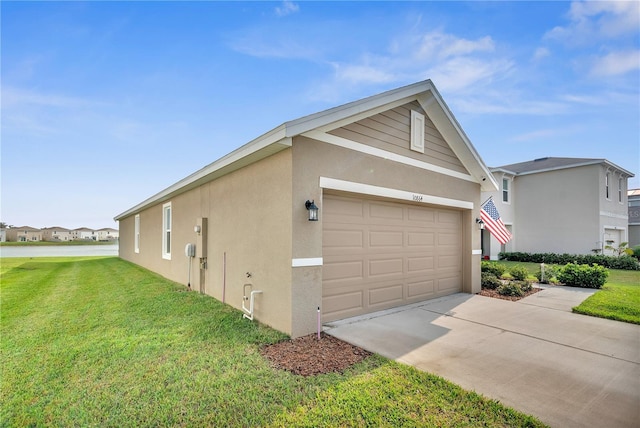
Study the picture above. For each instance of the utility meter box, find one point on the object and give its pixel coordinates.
(190, 250)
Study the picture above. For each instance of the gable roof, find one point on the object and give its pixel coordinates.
(552, 164)
(280, 138)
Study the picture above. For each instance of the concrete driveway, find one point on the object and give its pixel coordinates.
(534, 355)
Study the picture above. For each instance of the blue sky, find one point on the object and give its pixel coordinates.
(106, 103)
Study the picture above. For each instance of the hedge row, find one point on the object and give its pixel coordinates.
(611, 262)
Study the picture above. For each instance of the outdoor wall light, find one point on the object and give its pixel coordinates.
(480, 223)
(197, 229)
(313, 210)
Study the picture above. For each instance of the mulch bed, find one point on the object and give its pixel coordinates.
(493, 293)
(308, 356)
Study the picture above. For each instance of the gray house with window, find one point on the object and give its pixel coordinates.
(560, 205)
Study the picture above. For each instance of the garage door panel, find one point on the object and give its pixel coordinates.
(420, 289)
(449, 217)
(341, 238)
(344, 270)
(448, 261)
(449, 284)
(379, 254)
(425, 216)
(386, 267)
(343, 303)
(422, 264)
(385, 214)
(386, 238)
(420, 239)
(389, 294)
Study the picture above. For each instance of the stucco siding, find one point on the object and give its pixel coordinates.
(557, 211)
(249, 218)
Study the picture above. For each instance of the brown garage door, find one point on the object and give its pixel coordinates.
(379, 254)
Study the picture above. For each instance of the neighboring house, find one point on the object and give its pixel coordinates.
(397, 185)
(3, 234)
(56, 233)
(560, 205)
(107, 234)
(634, 217)
(83, 234)
(24, 234)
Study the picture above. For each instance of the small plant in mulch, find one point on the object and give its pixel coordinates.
(309, 356)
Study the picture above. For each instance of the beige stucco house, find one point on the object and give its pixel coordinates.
(107, 234)
(560, 205)
(397, 184)
(56, 233)
(83, 234)
(23, 234)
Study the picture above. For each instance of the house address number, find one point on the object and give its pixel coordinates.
(417, 198)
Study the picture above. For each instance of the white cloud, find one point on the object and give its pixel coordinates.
(437, 44)
(541, 53)
(616, 63)
(287, 8)
(591, 22)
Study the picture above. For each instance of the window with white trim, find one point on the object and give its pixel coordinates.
(606, 186)
(136, 233)
(166, 231)
(506, 192)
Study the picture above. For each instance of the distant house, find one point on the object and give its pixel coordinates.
(83, 234)
(107, 234)
(634, 217)
(56, 233)
(560, 205)
(362, 207)
(3, 234)
(24, 234)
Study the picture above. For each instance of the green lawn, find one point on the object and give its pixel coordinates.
(102, 342)
(619, 298)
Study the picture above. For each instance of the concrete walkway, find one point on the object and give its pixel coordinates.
(534, 355)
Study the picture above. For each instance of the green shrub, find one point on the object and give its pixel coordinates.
(625, 262)
(490, 281)
(636, 252)
(550, 272)
(525, 286)
(519, 273)
(586, 276)
(512, 288)
(496, 269)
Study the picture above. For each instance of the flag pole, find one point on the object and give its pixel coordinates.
(482, 204)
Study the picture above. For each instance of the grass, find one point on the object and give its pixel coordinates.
(619, 298)
(102, 342)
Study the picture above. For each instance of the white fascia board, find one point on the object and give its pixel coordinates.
(374, 151)
(454, 135)
(260, 148)
(351, 112)
(577, 165)
(386, 192)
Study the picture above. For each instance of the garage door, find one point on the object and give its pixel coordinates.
(379, 254)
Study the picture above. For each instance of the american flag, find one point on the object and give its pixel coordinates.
(492, 221)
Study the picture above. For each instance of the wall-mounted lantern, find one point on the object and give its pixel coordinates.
(313, 210)
(197, 229)
(480, 223)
